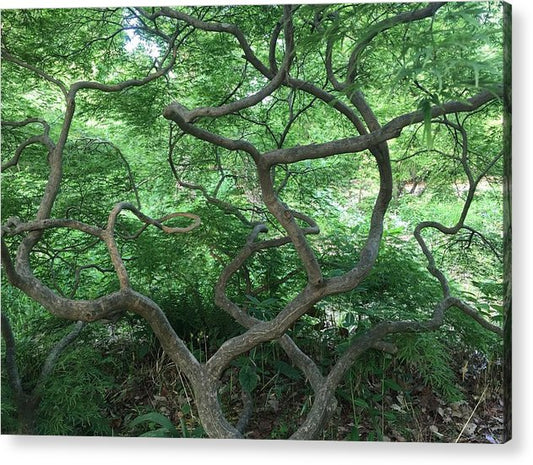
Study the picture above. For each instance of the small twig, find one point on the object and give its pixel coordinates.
(472, 414)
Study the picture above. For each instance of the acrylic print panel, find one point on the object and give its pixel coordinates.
(257, 221)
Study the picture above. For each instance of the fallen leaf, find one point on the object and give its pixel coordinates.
(435, 431)
(397, 408)
(470, 429)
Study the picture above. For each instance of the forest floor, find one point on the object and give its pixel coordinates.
(417, 414)
(420, 416)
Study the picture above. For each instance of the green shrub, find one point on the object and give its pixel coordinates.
(74, 398)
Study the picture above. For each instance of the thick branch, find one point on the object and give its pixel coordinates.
(178, 113)
(212, 199)
(55, 160)
(268, 72)
(389, 131)
(286, 218)
(216, 27)
(263, 331)
(322, 406)
(109, 236)
(14, 226)
(302, 361)
(253, 99)
(42, 139)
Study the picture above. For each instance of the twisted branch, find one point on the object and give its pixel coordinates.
(43, 139)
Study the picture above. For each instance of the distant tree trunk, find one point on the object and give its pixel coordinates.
(27, 405)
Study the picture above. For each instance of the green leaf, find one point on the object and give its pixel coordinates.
(349, 320)
(184, 428)
(158, 433)
(248, 378)
(425, 106)
(287, 370)
(354, 434)
(154, 417)
(391, 384)
(361, 403)
(254, 300)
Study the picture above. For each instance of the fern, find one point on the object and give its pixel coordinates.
(426, 354)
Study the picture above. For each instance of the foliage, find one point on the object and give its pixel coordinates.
(166, 427)
(296, 204)
(74, 399)
(74, 396)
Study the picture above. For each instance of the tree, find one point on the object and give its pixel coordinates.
(256, 98)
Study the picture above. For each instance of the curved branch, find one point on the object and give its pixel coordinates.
(472, 312)
(329, 99)
(46, 141)
(20, 275)
(300, 359)
(172, 51)
(55, 160)
(286, 218)
(56, 352)
(226, 207)
(14, 226)
(158, 223)
(109, 235)
(27, 402)
(485, 241)
(185, 117)
(8, 57)
(322, 406)
(382, 26)
(18, 124)
(274, 83)
(43, 138)
(264, 331)
(215, 27)
(472, 186)
(272, 47)
(268, 72)
(179, 114)
(388, 131)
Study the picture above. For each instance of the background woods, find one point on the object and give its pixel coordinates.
(278, 221)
